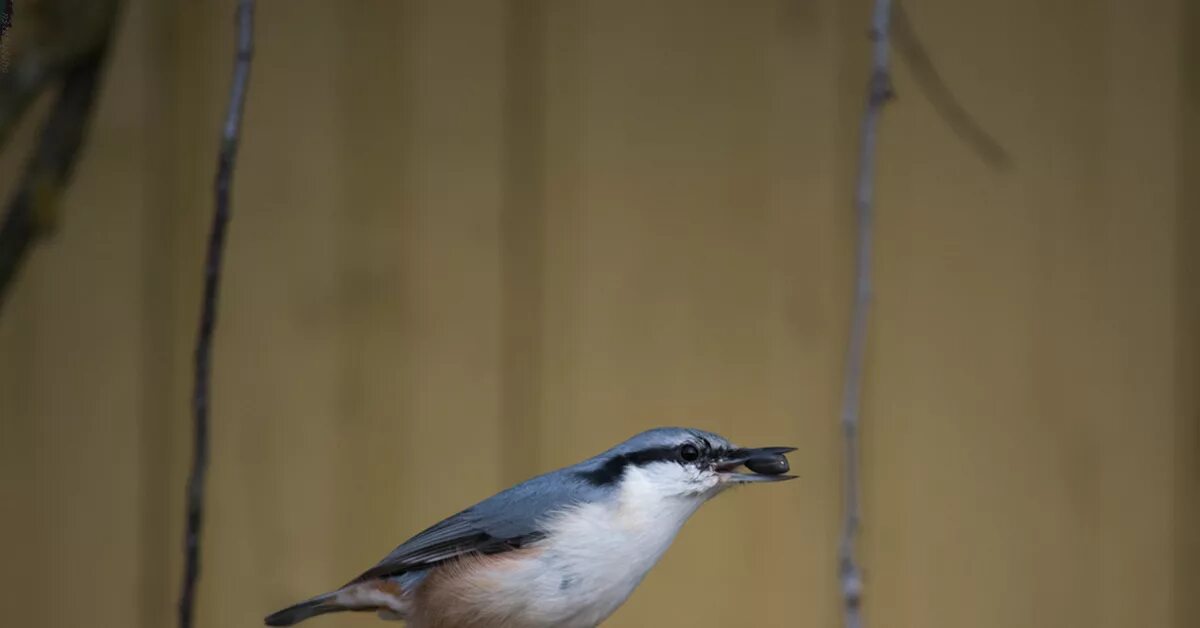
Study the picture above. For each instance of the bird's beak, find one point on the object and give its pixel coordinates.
(767, 464)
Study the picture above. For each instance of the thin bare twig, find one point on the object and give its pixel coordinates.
(230, 136)
(879, 90)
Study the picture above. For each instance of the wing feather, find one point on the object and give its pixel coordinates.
(506, 521)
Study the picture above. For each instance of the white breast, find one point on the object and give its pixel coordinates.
(593, 558)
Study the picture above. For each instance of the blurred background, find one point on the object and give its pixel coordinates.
(478, 240)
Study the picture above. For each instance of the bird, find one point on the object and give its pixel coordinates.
(563, 549)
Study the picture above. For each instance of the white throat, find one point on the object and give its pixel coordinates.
(596, 554)
(613, 545)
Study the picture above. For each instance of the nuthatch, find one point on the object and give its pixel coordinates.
(564, 549)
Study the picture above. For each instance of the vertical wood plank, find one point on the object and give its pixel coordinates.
(661, 236)
(1187, 437)
(162, 411)
(1138, 187)
(522, 232)
(1012, 311)
(415, 427)
(806, 316)
(453, 173)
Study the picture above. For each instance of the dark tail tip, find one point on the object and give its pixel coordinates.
(299, 612)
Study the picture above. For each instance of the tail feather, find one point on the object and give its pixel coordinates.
(297, 613)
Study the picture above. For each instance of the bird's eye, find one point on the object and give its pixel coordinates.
(689, 453)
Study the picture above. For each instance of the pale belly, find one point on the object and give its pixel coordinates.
(576, 578)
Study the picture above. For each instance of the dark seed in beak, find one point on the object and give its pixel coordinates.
(776, 464)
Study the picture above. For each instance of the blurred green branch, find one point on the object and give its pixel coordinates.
(911, 49)
(53, 42)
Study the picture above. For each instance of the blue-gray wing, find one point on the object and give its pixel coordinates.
(506, 521)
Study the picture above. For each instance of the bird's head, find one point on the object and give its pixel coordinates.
(685, 462)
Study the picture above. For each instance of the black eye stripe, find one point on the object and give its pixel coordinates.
(614, 468)
(654, 454)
